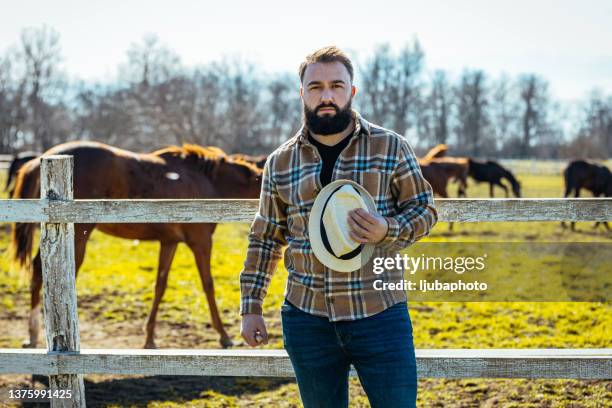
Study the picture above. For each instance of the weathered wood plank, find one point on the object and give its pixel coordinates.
(59, 286)
(431, 363)
(30, 210)
(137, 211)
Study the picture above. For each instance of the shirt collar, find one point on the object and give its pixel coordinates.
(362, 127)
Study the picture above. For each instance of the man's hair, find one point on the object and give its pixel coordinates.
(327, 54)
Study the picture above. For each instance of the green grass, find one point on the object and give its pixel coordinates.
(115, 289)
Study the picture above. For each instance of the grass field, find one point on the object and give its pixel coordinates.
(115, 289)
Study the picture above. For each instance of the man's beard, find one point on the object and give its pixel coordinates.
(328, 124)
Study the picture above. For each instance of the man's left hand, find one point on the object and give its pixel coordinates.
(367, 227)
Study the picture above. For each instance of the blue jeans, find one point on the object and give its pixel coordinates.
(380, 347)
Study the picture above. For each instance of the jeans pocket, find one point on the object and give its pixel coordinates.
(287, 307)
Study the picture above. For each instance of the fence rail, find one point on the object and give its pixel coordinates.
(585, 364)
(200, 210)
(65, 363)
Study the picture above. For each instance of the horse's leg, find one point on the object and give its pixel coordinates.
(576, 195)
(568, 191)
(166, 255)
(81, 234)
(462, 187)
(35, 306)
(491, 190)
(202, 252)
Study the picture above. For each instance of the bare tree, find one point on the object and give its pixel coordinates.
(13, 109)
(472, 116)
(534, 102)
(40, 54)
(439, 101)
(594, 136)
(392, 86)
(283, 107)
(504, 114)
(150, 62)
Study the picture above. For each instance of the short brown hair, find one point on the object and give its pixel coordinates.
(327, 54)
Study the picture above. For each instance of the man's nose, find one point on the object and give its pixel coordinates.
(327, 96)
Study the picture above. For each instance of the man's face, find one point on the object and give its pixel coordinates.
(327, 93)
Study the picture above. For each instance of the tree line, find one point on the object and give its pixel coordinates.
(156, 100)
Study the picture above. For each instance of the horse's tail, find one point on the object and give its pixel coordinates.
(568, 178)
(26, 186)
(11, 173)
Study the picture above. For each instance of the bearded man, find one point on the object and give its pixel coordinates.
(331, 319)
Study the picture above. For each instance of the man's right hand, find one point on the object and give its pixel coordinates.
(253, 330)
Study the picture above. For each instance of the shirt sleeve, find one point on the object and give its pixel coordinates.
(266, 240)
(416, 214)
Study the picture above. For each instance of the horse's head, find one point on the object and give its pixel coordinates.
(606, 181)
(516, 188)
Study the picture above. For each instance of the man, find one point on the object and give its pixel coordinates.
(334, 319)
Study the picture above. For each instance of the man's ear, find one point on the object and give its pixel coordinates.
(353, 90)
(301, 91)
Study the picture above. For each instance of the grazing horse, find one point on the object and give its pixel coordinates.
(591, 176)
(492, 173)
(103, 172)
(18, 160)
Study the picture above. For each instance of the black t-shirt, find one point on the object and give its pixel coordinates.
(329, 155)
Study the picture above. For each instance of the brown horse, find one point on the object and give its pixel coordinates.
(102, 171)
(450, 168)
(591, 176)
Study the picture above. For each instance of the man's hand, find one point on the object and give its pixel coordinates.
(367, 227)
(253, 330)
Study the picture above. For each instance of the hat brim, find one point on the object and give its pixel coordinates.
(314, 230)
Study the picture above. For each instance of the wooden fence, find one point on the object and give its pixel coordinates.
(65, 363)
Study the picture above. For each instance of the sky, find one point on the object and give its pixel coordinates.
(567, 42)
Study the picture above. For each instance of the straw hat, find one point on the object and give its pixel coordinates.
(329, 230)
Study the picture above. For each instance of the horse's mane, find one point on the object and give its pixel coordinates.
(208, 157)
(436, 152)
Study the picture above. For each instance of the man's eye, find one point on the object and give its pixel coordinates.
(314, 88)
(338, 86)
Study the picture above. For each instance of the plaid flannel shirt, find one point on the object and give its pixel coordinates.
(378, 159)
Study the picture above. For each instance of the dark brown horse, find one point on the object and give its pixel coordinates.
(591, 176)
(492, 172)
(102, 171)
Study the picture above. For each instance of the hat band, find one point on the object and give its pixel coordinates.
(344, 257)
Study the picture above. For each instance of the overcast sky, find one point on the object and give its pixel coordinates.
(567, 42)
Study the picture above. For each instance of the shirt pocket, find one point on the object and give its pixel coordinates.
(299, 186)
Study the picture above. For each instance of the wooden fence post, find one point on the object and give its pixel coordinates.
(59, 283)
